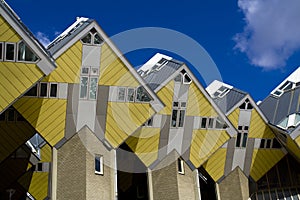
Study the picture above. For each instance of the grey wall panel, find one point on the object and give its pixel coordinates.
(282, 108)
(229, 156)
(268, 107)
(164, 136)
(249, 153)
(295, 100)
(101, 110)
(187, 136)
(72, 110)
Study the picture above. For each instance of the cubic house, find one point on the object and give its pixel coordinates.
(77, 121)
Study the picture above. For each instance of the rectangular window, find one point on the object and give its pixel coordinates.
(238, 140)
(245, 137)
(10, 51)
(203, 122)
(39, 167)
(1, 50)
(33, 92)
(43, 89)
(53, 90)
(83, 87)
(130, 94)
(210, 122)
(99, 165)
(178, 114)
(181, 118)
(149, 122)
(93, 88)
(174, 117)
(85, 71)
(241, 139)
(121, 94)
(180, 164)
(268, 143)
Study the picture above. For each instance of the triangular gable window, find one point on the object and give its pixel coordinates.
(92, 38)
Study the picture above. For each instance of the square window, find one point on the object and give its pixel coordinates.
(99, 164)
(94, 71)
(121, 94)
(240, 127)
(175, 104)
(43, 89)
(85, 70)
(10, 52)
(53, 90)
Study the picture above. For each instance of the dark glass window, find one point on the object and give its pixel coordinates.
(10, 52)
(53, 90)
(43, 89)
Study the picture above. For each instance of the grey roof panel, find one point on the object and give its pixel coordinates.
(283, 106)
(295, 100)
(155, 78)
(268, 107)
(59, 42)
(230, 99)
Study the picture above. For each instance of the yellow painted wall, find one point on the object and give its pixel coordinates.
(165, 94)
(263, 160)
(293, 147)
(198, 105)
(258, 128)
(123, 119)
(113, 71)
(39, 185)
(205, 143)
(145, 144)
(13, 135)
(47, 116)
(7, 33)
(297, 140)
(216, 164)
(234, 117)
(68, 66)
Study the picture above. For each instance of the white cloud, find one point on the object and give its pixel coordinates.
(43, 38)
(272, 31)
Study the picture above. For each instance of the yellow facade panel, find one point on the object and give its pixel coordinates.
(263, 160)
(258, 127)
(68, 66)
(205, 143)
(165, 94)
(113, 71)
(293, 147)
(198, 104)
(144, 143)
(39, 185)
(234, 117)
(47, 116)
(7, 33)
(16, 78)
(124, 118)
(216, 164)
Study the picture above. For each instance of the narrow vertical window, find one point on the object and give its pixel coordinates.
(53, 90)
(180, 165)
(210, 122)
(203, 122)
(121, 94)
(178, 114)
(181, 118)
(174, 117)
(93, 88)
(10, 52)
(43, 89)
(130, 94)
(83, 87)
(98, 164)
(238, 140)
(245, 137)
(242, 136)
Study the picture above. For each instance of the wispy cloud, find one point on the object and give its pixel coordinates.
(43, 38)
(272, 31)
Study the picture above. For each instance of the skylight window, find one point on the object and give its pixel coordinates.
(285, 87)
(162, 62)
(221, 92)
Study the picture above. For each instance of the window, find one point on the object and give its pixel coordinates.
(89, 83)
(203, 122)
(11, 115)
(43, 89)
(99, 164)
(121, 94)
(178, 114)
(130, 94)
(25, 53)
(10, 51)
(186, 79)
(162, 62)
(142, 95)
(149, 122)
(53, 90)
(286, 86)
(178, 78)
(180, 164)
(246, 105)
(1, 51)
(33, 92)
(221, 92)
(242, 136)
(39, 167)
(269, 143)
(92, 38)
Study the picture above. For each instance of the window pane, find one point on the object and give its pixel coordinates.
(178, 78)
(87, 39)
(183, 104)
(93, 88)
(203, 122)
(97, 164)
(268, 144)
(121, 94)
(32, 92)
(85, 70)
(150, 122)
(181, 118)
(53, 90)
(238, 140)
(142, 95)
(175, 104)
(83, 87)
(174, 118)
(97, 39)
(210, 122)
(180, 165)
(10, 52)
(1, 46)
(130, 94)
(262, 143)
(43, 89)
(25, 53)
(245, 139)
(219, 124)
(94, 71)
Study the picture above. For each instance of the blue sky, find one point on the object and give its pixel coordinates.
(254, 43)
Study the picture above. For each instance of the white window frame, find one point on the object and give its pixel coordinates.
(134, 94)
(178, 108)
(14, 44)
(244, 133)
(2, 51)
(92, 39)
(180, 166)
(17, 53)
(101, 164)
(148, 123)
(125, 94)
(183, 79)
(57, 89)
(39, 90)
(223, 90)
(89, 77)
